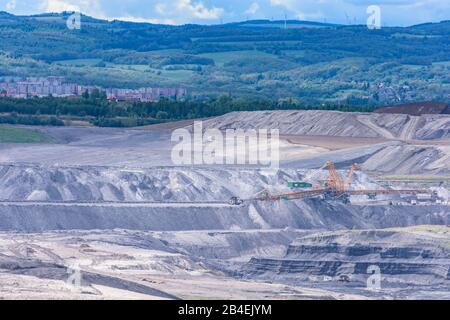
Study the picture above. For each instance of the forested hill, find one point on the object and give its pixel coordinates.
(312, 62)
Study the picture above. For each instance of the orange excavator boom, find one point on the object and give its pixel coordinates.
(353, 168)
(335, 181)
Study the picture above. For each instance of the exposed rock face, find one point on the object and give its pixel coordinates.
(412, 258)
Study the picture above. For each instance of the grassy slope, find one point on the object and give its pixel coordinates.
(256, 59)
(20, 135)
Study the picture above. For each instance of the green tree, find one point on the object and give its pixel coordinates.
(95, 95)
(85, 94)
(162, 115)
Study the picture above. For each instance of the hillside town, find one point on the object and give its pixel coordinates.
(30, 87)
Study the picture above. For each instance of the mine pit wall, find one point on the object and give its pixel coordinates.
(46, 218)
(399, 265)
(318, 214)
(333, 268)
(300, 270)
(356, 251)
(309, 215)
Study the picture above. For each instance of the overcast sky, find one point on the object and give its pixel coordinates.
(394, 12)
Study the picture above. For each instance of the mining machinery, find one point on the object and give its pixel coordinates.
(335, 188)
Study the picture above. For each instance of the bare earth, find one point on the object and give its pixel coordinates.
(110, 204)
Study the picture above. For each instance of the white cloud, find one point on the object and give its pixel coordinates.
(184, 11)
(395, 12)
(168, 12)
(11, 5)
(198, 10)
(254, 8)
(161, 8)
(307, 9)
(90, 7)
(288, 4)
(144, 20)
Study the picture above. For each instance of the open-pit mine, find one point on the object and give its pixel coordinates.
(358, 209)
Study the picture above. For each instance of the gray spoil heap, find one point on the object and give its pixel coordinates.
(31, 201)
(338, 124)
(298, 214)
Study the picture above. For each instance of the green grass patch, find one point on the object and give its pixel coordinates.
(165, 52)
(294, 53)
(173, 75)
(129, 67)
(283, 26)
(442, 63)
(220, 58)
(79, 62)
(20, 135)
(413, 36)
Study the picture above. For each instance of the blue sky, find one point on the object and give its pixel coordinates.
(393, 12)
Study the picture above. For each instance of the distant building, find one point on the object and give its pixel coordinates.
(56, 86)
(145, 94)
(37, 87)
